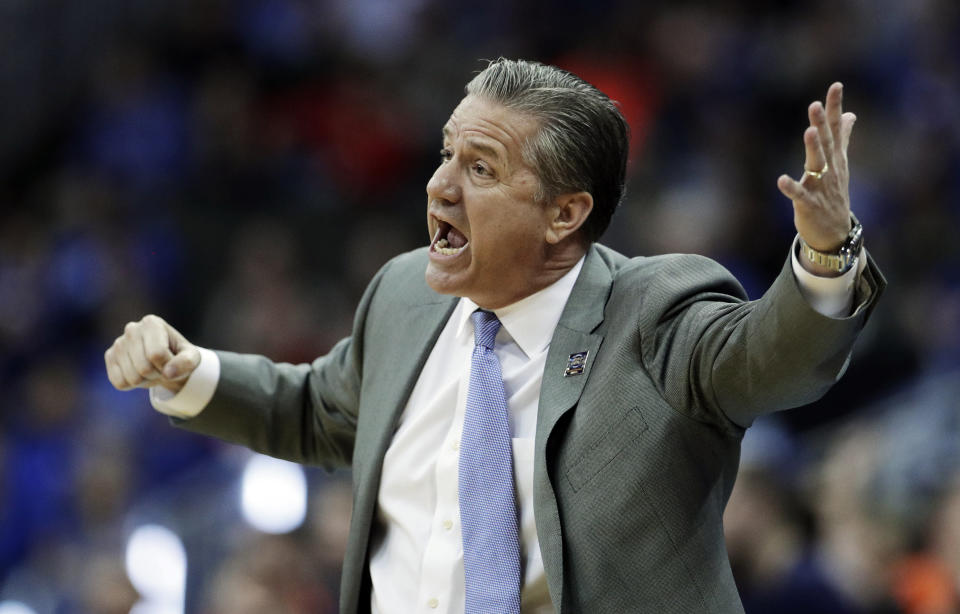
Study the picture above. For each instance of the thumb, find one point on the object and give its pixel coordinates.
(182, 364)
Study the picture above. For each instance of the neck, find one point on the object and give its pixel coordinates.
(557, 262)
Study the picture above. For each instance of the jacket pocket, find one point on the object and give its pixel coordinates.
(621, 433)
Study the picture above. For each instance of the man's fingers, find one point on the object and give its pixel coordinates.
(818, 119)
(114, 372)
(185, 359)
(132, 378)
(156, 343)
(134, 356)
(182, 365)
(816, 159)
(141, 363)
(834, 108)
(846, 128)
(791, 188)
(177, 341)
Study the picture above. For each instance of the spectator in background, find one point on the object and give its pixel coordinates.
(269, 574)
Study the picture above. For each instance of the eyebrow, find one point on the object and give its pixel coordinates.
(485, 149)
(480, 146)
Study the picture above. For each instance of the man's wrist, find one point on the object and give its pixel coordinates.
(830, 295)
(195, 392)
(835, 262)
(820, 270)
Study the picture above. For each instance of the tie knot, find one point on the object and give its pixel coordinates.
(485, 327)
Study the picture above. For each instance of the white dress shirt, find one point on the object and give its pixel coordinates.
(416, 562)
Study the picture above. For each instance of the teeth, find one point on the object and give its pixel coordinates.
(441, 248)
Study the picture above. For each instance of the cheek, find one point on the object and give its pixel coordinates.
(506, 227)
(510, 240)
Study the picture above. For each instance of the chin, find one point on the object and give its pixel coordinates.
(443, 282)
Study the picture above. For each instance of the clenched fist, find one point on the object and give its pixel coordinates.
(150, 353)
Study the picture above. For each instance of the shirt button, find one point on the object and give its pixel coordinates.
(448, 524)
(455, 444)
(433, 603)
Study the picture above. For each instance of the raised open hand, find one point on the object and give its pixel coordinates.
(821, 197)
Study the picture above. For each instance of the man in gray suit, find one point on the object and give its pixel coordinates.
(627, 383)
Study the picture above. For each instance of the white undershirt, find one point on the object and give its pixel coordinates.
(416, 563)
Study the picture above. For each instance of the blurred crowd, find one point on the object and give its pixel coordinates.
(243, 167)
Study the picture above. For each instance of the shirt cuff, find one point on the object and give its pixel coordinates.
(829, 296)
(196, 392)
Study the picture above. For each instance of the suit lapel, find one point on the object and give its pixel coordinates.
(560, 393)
(397, 371)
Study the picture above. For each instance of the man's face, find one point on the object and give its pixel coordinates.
(487, 231)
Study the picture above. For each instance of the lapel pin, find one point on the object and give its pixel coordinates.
(576, 364)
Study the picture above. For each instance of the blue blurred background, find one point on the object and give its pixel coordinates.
(243, 167)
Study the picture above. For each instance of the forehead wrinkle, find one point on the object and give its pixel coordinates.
(498, 127)
(479, 145)
(503, 135)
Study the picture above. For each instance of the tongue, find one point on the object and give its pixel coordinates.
(455, 238)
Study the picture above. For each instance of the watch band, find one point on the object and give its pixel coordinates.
(845, 257)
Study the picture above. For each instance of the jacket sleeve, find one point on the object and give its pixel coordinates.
(722, 359)
(305, 413)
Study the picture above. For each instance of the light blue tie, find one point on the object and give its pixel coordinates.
(488, 506)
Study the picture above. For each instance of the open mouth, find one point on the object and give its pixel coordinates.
(448, 240)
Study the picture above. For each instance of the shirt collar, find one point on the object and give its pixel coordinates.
(531, 320)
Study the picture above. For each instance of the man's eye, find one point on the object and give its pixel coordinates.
(480, 169)
(445, 154)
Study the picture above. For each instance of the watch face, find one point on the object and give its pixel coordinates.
(854, 240)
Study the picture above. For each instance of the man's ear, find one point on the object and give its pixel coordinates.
(567, 214)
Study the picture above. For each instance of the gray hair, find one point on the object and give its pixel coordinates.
(582, 141)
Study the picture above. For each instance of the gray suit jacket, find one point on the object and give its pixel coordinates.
(634, 459)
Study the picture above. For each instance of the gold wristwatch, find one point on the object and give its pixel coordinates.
(844, 258)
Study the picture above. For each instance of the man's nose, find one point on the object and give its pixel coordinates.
(443, 185)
